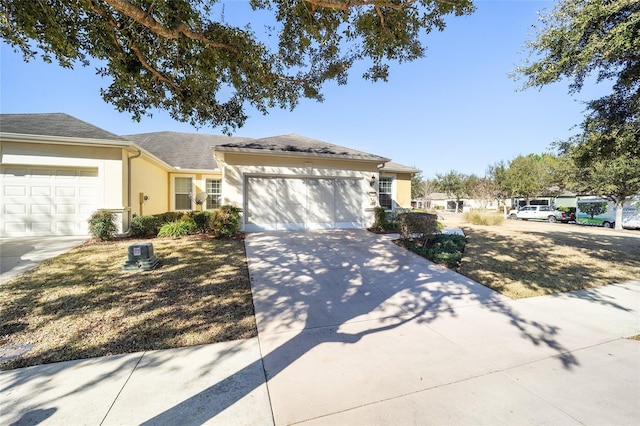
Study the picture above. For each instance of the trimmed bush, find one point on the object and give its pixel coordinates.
(102, 225)
(384, 220)
(168, 217)
(381, 222)
(145, 226)
(205, 220)
(418, 226)
(226, 222)
(443, 249)
(177, 229)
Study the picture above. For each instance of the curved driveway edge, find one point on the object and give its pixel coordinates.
(21, 254)
(356, 330)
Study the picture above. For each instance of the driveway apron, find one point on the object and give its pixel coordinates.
(356, 330)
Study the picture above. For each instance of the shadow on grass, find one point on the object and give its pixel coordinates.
(82, 305)
(534, 263)
(316, 290)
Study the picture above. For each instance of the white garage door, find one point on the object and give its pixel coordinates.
(278, 203)
(47, 200)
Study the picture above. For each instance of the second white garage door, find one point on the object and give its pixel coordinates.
(40, 200)
(279, 203)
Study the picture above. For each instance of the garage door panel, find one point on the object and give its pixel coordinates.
(291, 194)
(15, 209)
(47, 200)
(291, 204)
(321, 213)
(320, 191)
(347, 190)
(37, 191)
(347, 213)
(261, 210)
(296, 217)
(62, 209)
(303, 203)
(14, 191)
(37, 209)
(41, 228)
(63, 227)
(15, 227)
(65, 191)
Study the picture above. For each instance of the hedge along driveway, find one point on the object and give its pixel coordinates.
(81, 304)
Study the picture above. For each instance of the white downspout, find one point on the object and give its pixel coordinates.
(129, 188)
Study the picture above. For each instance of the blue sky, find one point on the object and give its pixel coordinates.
(455, 109)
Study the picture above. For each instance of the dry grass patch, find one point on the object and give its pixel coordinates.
(81, 304)
(524, 259)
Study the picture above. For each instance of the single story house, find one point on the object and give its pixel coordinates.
(55, 170)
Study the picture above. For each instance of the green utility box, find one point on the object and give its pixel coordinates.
(140, 257)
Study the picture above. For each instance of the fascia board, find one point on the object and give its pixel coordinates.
(270, 153)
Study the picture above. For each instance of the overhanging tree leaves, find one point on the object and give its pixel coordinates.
(581, 38)
(181, 55)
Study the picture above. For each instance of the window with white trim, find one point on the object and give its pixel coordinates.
(214, 193)
(385, 188)
(182, 189)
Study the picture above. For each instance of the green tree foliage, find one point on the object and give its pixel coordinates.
(615, 179)
(497, 173)
(532, 175)
(184, 57)
(581, 38)
(523, 176)
(418, 187)
(454, 184)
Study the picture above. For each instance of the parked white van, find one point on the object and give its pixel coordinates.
(601, 212)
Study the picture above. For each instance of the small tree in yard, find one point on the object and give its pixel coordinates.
(453, 184)
(418, 187)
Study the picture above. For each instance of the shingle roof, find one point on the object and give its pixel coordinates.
(390, 166)
(53, 124)
(192, 151)
(293, 143)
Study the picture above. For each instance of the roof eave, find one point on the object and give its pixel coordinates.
(65, 140)
(278, 153)
(412, 171)
(178, 169)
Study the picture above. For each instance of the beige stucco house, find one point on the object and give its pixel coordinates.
(55, 170)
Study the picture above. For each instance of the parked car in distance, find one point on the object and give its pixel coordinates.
(547, 213)
(568, 214)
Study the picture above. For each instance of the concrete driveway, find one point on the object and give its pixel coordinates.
(19, 255)
(355, 330)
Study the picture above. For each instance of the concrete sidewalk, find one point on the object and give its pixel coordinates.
(355, 330)
(213, 384)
